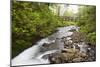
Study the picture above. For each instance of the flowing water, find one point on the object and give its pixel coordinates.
(34, 54)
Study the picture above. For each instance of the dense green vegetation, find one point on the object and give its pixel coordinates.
(33, 21)
(87, 22)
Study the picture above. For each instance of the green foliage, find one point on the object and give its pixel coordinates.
(68, 13)
(31, 22)
(68, 23)
(92, 38)
(87, 22)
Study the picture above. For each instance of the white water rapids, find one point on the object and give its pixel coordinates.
(34, 54)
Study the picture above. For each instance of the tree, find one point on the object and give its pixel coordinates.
(87, 22)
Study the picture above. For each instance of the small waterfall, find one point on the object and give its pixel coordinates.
(83, 47)
(34, 54)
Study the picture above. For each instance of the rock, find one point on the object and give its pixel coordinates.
(68, 56)
(75, 46)
(73, 49)
(77, 59)
(69, 42)
(56, 58)
(78, 37)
